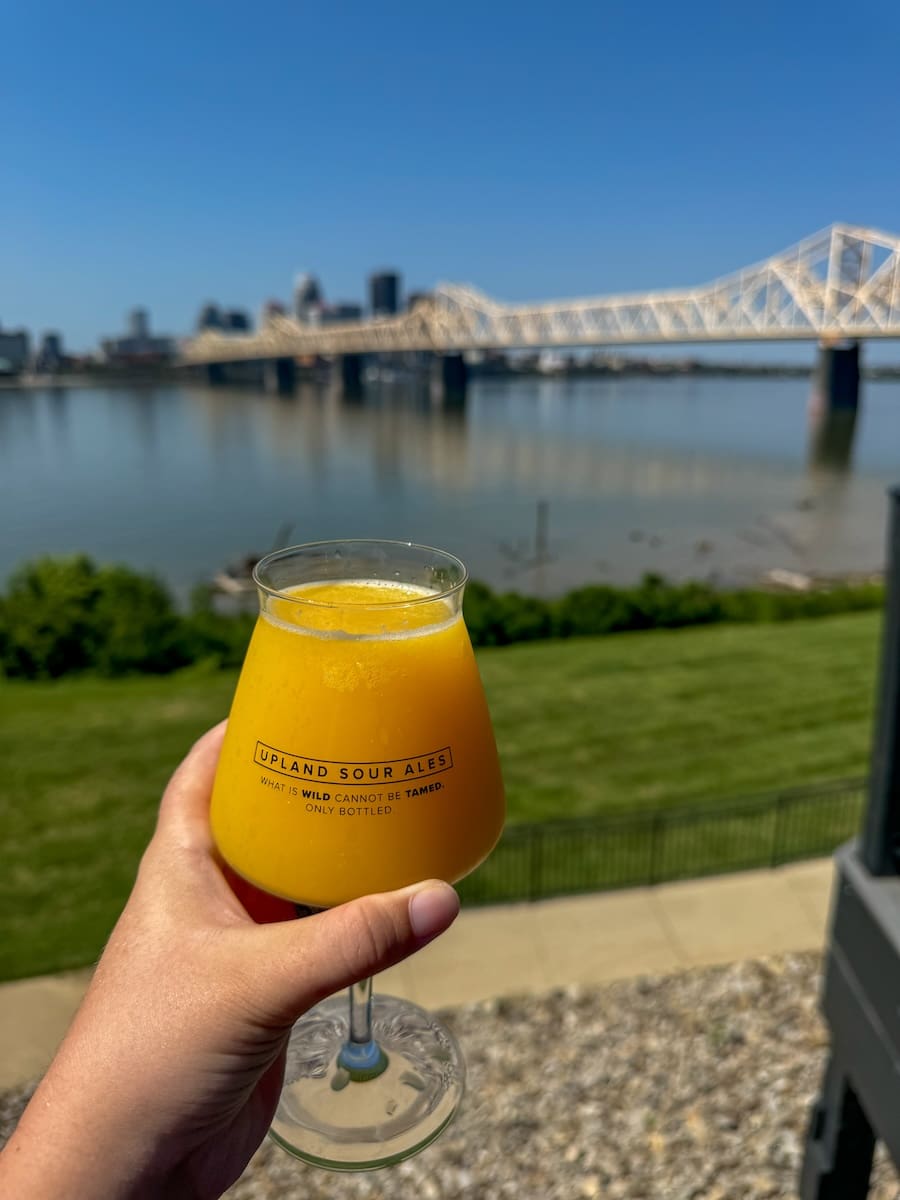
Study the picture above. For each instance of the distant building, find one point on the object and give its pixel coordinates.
(139, 324)
(237, 321)
(230, 320)
(50, 355)
(340, 313)
(210, 318)
(384, 293)
(414, 297)
(271, 308)
(138, 346)
(308, 299)
(15, 351)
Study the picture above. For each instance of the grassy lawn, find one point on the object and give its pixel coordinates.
(663, 719)
(616, 724)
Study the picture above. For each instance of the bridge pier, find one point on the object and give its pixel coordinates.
(279, 376)
(837, 377)
(832, 433)
(449, 378)
(215, 374)
(347, 374)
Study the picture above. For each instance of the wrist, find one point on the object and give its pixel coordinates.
(32, 1168)
(75, 1141)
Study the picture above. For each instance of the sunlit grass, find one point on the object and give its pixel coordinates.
(664, 719)
(616, 724)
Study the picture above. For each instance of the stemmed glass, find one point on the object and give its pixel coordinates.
(359, 758)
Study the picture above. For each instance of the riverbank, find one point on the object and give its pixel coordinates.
(481, 366)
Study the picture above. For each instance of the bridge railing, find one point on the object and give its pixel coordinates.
(565, 857)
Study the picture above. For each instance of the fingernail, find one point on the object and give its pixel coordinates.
(432, 909)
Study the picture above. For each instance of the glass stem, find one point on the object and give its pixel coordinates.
(361, 1055)
(360, 997)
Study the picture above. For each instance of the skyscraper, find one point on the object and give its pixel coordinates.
(236, 320)
(15, 351)
(307, 298)
(139, 324)
(50, 353)
(138, 345)
(384, 293)
(210, 317)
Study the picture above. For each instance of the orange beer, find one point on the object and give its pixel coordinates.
(359, 755)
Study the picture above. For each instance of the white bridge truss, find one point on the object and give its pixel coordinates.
(841, 283)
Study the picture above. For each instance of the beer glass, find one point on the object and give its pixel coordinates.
(359, 757)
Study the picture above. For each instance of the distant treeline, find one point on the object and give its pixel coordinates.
(64, 615)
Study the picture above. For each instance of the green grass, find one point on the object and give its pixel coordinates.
(664, 719)
(616, 724)
(85, 762)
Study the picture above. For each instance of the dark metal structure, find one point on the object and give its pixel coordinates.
(860, 1099)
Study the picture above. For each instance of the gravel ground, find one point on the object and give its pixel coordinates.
(688, 1087)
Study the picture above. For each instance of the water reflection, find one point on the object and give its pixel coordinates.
(18, 418)
(58, 408)
(698, 477)
(142, 405)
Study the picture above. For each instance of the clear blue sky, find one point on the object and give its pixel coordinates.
(165, 154)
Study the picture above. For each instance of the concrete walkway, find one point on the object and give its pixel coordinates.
(526, 948)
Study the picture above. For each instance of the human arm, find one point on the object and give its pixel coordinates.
(169, 1076)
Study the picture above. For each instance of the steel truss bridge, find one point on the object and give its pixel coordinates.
(841, 283)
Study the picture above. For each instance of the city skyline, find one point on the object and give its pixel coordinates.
(210, 313)
(309, 305)
(534, 155)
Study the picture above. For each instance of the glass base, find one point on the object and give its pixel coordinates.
(359, 1119)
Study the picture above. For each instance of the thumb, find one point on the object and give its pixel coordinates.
(327, 952)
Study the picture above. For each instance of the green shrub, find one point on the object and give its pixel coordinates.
(137, 628)
(214, 637)
(46, 626)
(589, 611)
(662, 605)
(522, 619)
(494, 620)
(746, 606)
(65, 615)
(481, 612)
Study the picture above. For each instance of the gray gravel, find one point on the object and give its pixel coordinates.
(688, 1087)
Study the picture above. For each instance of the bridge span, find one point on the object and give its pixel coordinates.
(840, 284)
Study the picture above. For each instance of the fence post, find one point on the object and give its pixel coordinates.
(776, 830)
(655, 846)
(536, 863)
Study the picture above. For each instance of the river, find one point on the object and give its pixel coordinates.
(693, 477)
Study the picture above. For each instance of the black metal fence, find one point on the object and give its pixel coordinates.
(560, 858)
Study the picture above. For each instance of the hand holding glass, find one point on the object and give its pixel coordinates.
(359, 758)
